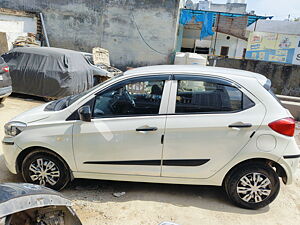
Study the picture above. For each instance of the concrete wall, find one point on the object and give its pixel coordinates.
(236, 45)
(285, 78)
(111, 24)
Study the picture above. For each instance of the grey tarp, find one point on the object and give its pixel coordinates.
(50, 72)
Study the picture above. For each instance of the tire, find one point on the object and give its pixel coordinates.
(240, 193)
(58, 174)
(2, 100)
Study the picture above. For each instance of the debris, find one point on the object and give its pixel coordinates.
(28, 41)
(119, 194)
(101, 56)
(101, 60)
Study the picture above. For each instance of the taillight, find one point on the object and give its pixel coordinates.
(5, 69)
(284, 126)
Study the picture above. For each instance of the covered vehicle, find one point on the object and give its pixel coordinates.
(28, 204)
(50, 72)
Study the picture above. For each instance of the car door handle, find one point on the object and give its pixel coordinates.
(240, 125)
(146, 129)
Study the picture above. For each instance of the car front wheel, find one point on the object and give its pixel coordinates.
(40, 167)
(252, 186)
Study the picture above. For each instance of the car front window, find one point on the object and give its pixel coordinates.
(136, 98)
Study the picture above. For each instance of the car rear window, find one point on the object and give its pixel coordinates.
(1, 60)
(268, 87)
(206, 97)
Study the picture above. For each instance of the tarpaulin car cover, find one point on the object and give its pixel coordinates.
(50, 72)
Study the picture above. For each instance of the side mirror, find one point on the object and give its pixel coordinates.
(85, 114)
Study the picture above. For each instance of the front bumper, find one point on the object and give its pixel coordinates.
(5, 91)
(10, 152)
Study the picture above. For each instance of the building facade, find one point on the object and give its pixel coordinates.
(232, 6)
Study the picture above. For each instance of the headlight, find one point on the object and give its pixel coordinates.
(14, 128)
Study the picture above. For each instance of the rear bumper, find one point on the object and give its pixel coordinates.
(290, 161)
(290, 166)
(5, 91)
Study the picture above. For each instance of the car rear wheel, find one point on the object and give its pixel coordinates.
(252, 186)
(40, 167)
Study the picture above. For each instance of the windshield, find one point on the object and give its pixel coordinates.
(67, 101)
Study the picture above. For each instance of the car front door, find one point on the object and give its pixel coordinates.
(124, 136)
(210, 121)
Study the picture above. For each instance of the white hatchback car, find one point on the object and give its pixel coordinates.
(167, 124)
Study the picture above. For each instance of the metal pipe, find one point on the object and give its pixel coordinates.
(216, 34)
(44, 30)
(255, 25)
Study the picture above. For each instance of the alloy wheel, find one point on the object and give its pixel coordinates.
(44, 171)
(254, 187)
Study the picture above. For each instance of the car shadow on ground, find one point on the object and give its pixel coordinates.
(25, 97)
(101, 191)
(205, 197)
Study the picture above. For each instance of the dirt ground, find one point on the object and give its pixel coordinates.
(154, 203)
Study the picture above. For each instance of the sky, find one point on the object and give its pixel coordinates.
(280, 9)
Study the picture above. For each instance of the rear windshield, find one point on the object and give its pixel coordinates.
(1, 60)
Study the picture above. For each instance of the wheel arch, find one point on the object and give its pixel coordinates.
(28, 150)
(280, 171)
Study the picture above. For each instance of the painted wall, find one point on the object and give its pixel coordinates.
(274, 47)
(236, 45)
(126, 28)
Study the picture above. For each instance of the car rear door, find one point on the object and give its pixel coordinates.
(210, 120)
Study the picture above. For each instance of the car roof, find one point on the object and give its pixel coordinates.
(46, 51)
(196, 69)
